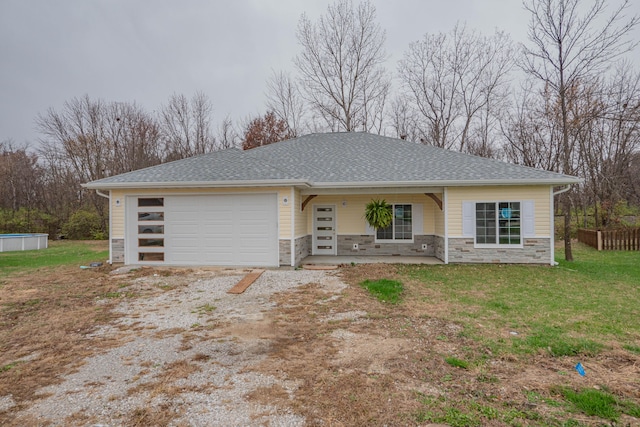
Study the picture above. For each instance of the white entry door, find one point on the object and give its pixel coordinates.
(324, 230)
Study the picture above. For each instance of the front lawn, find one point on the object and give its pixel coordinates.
(59, 253)
(500, 343)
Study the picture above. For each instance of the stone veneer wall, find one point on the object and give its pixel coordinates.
(303, 248)
(534, 251)
(285, 251)
(438, 243)
(117, 250)
(367, 246)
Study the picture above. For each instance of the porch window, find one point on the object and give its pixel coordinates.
(498, 223)
(401, 226)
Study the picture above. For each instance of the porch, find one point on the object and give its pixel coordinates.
(368, 259)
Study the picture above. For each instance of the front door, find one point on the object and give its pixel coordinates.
(324, 230)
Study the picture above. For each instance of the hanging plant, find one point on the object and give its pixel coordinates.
(378, 213)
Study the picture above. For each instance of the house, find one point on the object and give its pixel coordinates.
(277, 204)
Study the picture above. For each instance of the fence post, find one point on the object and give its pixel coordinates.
(599, 238)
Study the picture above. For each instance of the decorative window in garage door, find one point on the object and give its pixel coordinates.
(151, 229)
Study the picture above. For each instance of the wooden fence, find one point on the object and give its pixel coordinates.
(611, 240)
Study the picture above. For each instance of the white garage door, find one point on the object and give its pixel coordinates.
(233, 229)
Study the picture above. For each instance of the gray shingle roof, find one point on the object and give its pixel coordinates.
(335, 159)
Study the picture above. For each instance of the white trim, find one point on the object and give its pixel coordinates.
(375, 234)
(330, 185)
(445, 211)
(497, 245)
(293, 229)
(446, 183)
(192, 184)
(368, 190)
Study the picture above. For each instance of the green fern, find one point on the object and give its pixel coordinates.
(378, 213)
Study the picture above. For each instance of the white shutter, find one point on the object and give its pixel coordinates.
(528, 219)
(468, 219)
(369, 230)
(417, 219)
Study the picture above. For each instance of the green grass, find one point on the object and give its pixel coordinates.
(572, 309)
(57, 254)
(632, 348)
(384, 290)
(599, 403)
(457, 363)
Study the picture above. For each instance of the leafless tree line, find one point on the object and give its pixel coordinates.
(89, 139)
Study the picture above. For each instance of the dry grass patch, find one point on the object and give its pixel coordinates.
(401, 364)
(47, 316)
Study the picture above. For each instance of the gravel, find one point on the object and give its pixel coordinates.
(182, 325)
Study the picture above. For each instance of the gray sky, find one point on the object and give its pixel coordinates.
(146, 50)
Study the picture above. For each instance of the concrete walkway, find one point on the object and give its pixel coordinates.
(337, 260)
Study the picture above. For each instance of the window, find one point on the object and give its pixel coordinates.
(498, 223)
(145, 202)
(401, 226)
(150, 229)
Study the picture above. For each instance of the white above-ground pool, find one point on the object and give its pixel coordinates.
(23, 242)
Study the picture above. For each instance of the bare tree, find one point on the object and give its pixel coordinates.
(91, 139)
(341, 67)
(568, 49)
(227, 135)
(285, 101)
(403, 119)
(529, 126)
(21, 177)
(610, 140)
(454, 83)
(185, 125)
(264, 130)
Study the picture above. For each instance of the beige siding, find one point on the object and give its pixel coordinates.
(350, 210)
(539, 194)
(117, 212)
(300, 215)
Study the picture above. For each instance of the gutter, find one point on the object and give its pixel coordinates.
(325, 185)
(96, 185)
(562, 190)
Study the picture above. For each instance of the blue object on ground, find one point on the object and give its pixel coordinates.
(580, 369)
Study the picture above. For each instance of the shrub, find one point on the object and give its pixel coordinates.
(26, 221)
(83, 225)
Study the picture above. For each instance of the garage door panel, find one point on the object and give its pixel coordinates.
(234, 229)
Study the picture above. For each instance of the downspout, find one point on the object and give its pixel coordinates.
(108, 197)
(293, 227)
(553, 222)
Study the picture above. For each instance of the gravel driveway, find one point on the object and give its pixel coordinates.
(186, 352)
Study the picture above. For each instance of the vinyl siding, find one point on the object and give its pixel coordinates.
(117, 214)
(538, 194)
(350, 218)
(300, 216)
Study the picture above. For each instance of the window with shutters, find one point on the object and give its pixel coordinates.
(401, 228)
(498, 223)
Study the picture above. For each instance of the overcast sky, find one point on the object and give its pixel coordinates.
(146, 50)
